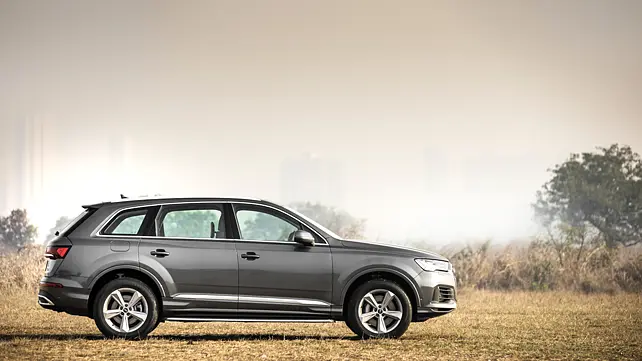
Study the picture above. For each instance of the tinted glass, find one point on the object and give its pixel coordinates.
(127, 223)
(193, 223)
(255, 225)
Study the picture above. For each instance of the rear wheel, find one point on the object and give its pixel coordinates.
(126, 308)
(379, 309)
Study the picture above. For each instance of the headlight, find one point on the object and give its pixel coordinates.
(433, 265)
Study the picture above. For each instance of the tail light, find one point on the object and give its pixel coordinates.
(50, 284)
(57, 252)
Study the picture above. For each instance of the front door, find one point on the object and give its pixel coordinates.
(280, 278)
(189, 247)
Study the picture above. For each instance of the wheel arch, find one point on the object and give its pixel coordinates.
(393, 275)
(118, 272)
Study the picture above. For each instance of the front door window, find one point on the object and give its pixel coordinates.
(257, 225)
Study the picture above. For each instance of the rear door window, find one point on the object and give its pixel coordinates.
(191, 221)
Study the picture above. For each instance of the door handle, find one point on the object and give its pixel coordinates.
(160, 253)
(250, 256)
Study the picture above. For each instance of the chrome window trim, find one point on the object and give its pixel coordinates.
(243, 241)
(206, 239)
(97, 232)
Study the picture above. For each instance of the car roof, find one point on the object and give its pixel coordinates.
(164, 199)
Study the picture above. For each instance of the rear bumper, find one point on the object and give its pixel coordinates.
(70, 298)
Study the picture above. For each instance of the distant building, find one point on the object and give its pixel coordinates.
(119, 169)
(23, 182)
(443, 199)
(310, 178)
(4, 179)
(441, 172)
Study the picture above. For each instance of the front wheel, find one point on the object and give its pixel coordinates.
(126, 308)
(379, 309)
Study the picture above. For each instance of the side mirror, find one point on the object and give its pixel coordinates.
(303, 238)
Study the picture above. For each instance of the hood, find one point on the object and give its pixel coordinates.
(392, 249)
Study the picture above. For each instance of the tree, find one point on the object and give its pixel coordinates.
(15, 230)
(601, 189)
(338, 221)
(61, 223)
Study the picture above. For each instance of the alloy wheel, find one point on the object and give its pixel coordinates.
(125, 310)
(380, 311)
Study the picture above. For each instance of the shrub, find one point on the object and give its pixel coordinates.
(566, 259)
(22, 269)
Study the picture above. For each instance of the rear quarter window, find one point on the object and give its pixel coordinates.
(76, 221)
(126, 223)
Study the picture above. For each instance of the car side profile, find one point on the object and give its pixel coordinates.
(132, 264)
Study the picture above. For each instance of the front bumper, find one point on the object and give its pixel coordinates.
(438, 294)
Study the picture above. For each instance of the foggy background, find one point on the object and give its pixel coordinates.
(433, 120)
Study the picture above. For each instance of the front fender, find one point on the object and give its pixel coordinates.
(347, 277)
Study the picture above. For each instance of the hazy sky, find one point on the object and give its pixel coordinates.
(444, 115)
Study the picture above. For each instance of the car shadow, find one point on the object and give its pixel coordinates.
(249, 337)
(49, 336)
(170, 337)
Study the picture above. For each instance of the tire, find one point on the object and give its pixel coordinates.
(352, 326)
(109, 312)
(394, 324)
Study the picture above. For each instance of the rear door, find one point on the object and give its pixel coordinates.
(188, 249)
(280, 278)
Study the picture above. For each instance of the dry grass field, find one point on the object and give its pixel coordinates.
(487, 326)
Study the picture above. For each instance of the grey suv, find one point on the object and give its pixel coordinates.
(132, 264)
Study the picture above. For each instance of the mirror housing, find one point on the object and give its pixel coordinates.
(303, 238)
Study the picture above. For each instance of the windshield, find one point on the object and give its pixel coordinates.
(314, 223)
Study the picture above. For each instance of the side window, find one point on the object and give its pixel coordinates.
(191, 223)
(127, 223)
(261, 226)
